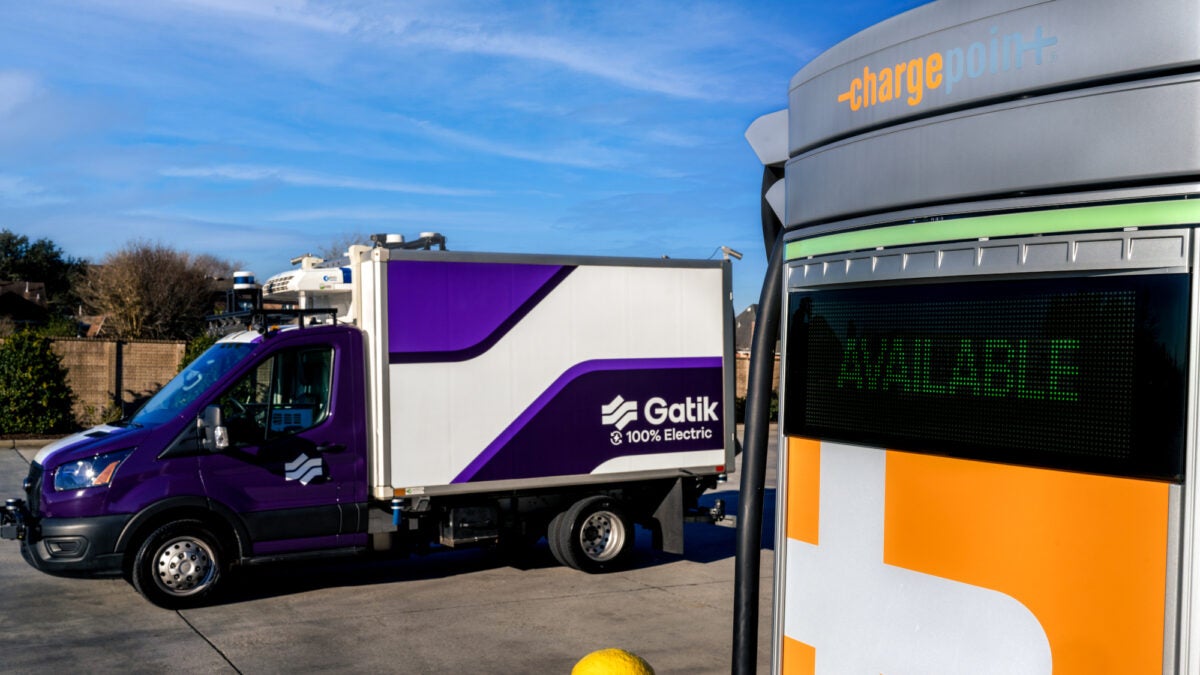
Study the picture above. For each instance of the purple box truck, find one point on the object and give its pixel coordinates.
(416, 400)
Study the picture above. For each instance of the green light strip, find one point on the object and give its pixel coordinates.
(1114, 217)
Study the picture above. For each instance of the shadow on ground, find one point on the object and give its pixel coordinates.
(704, 544)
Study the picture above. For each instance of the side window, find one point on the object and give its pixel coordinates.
(285, 394)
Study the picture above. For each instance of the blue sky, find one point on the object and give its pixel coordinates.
(259, 130)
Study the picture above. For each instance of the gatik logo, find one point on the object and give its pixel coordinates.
(620, 413)
(304, 469)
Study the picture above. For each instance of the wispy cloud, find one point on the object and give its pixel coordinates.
(244, 173)
(298, 13)
(579, 153)
(483, 119)
(620, 66)
(631, 55)
(16, 191)
(16, 89)
(371, 214)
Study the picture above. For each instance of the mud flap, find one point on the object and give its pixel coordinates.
(668, 521)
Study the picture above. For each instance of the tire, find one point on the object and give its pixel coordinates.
(552, 537)
(180, 565)
(595, 535)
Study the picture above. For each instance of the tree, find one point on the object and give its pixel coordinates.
(195, 347)
(34, 396)
(336, 248)
(44, 261)
(152, 291)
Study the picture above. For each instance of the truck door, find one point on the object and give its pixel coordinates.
(294, 468)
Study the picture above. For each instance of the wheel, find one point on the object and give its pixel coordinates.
(179, 565)
(552, 537)
(594, 535)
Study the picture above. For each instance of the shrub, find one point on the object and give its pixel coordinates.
(195, 347)
(93, 416)
(34, 396)
(59, 326)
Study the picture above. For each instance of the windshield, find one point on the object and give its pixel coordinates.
(194, 380)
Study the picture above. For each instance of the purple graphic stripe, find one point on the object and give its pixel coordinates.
(454, 311)
(573, 373)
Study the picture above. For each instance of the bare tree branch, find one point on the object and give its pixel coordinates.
(152, 291)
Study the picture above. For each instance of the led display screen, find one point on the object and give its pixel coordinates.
(1080, 373)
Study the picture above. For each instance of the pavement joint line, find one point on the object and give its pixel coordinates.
(209, 642)
(17, 452)
(672, 587)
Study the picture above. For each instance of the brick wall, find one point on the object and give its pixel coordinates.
(105, 373)
(146, 365)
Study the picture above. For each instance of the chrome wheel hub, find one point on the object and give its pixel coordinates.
(184, 566)
(602, 536)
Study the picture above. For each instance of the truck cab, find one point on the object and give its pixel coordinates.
(254, 451)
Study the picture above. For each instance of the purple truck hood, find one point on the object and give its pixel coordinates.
(85, 443)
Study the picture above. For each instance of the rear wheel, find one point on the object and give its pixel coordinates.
(594, 535)
(552, 537)
(179, 565)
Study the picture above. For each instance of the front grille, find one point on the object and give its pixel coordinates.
(33, 494)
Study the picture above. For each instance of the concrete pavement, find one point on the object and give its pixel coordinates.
(463, 611)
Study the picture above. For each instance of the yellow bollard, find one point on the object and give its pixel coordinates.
(612, 662)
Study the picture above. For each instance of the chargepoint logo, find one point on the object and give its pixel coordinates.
(897, 80)
(656, 413)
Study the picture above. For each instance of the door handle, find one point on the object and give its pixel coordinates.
(329, 447)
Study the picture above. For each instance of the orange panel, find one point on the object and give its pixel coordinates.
(803, 489)
(798, 658)
(1086, 554)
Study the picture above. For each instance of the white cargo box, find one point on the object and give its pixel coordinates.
(505, 371)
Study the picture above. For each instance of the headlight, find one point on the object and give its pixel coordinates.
(87, 473)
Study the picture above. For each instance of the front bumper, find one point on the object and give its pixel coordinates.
(66, 546)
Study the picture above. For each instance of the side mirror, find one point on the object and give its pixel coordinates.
(216, 436)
